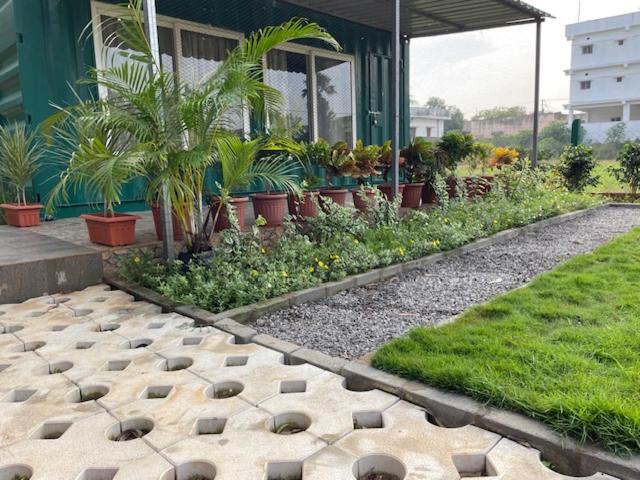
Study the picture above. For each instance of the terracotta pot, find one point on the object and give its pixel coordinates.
(488, 184)
(360, 202)
(429, 194)
(115, 231)
(474, 186)
(22, 215)
(240, 207)
(412, 195)
(338, 195)
(387, 190)
(452, 187)
(177, 228)
(307, 206)
(272, 207)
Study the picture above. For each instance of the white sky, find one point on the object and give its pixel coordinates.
(490, 68)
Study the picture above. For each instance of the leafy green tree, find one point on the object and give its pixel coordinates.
(457, 120)
(629, 170)
(576, 167)
(500, 113)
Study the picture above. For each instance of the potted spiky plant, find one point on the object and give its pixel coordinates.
(365, 165)
(386, 164)
(19, 155)
(310, 155)
(339, 163)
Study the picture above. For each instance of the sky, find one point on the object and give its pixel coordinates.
(480, 70)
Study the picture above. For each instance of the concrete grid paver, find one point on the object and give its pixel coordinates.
(156, 373)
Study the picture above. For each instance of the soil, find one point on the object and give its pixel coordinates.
(226, 393)
(378, 476)
(289, 429)
(131, 434)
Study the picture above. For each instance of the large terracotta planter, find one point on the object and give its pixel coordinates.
(429, 194)
(116, 231)
(22, 215)
(387, 190)
(177, 228)
(272, 207)
(240, 207)
(412, 195)
(338, 195)
(305, 206)
(359, 202)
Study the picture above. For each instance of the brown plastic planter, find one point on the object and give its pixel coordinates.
(387, 190)
(307, 206)
(116, 231)
(177, 228)
(22, 215)
(272, 207)
(360, 202)
(412, 195)
(240, 206)
(338, 195)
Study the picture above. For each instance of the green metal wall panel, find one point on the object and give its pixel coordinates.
(11, 108)
(52, 58)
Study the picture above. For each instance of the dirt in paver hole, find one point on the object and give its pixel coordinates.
(131, 434)
(378, 476)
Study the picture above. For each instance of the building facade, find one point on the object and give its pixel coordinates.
(605, 74)
(46, 49)
(428, 122)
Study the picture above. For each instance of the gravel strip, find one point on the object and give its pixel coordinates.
(354, 323)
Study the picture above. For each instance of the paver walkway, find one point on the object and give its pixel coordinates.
(96, 386)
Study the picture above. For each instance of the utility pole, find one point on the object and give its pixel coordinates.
(395, 100)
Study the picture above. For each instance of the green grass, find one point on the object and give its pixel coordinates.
(564, 350)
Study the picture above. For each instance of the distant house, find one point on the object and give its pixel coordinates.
(485, 129)
(605, 73)
(428, 122)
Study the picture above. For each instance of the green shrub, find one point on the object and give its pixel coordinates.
(629, 170)
(576, 167)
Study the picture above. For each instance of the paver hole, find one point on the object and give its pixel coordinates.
(31, 346)
(284, 471)
(87, 394)
(290, 361)
(58, 328)
(210, 426)
(474, 466)
(4, 366)
(156, 392)
(237, 361)
(379, 467)
(2, 313)
(19, 395)
(99, 299)
(140, 343)
(433, 420)
(82, 312)
(84, 345)
(117, 365)
(155, 325)
(51, 430)
(131, 429)
(224, 390)
(58, 301)
(195, 471)
(563, 468)
(289, 423)
(12, 328)
(108, 327)
(355, 386)
(98, 474)
(37, 314)
(58, 367)
(365, 420)
(175, 364)
(15, 472)
(293, 386)
(191, 341)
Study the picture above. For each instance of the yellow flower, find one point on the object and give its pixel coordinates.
(254, 273)
(136, 260)
(356, 241)
(321, 264)
(311, 269)
(446, 220)
(401, 250)
(285, 274)
(495, 222)
(263, 250)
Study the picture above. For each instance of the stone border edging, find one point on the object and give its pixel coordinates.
(454, 410)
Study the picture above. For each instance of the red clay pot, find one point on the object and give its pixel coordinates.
(307, 206)
(338, 195)
(428, 194)
(22, 215)
(488, 184)
(177, 228)
(272, 207)
(359, 202)
(115, 231)
(452, 187)
(240, 206)
(412, 195)
(387, 190)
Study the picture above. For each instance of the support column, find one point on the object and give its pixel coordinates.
(536, 108)
(151, 27)
(395, 99)
(626, 112)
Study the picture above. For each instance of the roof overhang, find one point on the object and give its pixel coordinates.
(427, 18)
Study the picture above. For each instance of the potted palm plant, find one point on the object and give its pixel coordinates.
(310, 155)
(457, 146)
(423, 162)
(339, 163)
(365, 164)
(19, 155)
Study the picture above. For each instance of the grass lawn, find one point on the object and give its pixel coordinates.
(564, 350)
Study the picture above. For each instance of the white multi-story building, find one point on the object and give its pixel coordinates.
(605, 74)
(428, 122)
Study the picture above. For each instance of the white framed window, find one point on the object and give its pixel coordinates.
(616, 119)
(621, 42)
(619, 79)
(318, 88)
(587, 49)
(585, 85)
(192, 50)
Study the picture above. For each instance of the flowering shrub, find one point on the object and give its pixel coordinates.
(240, 270)
(503, 157)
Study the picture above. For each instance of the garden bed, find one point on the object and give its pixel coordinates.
(563, 350)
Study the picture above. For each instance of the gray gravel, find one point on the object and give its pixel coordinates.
(354, 323)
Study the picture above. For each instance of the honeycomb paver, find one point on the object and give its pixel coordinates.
(97, 386)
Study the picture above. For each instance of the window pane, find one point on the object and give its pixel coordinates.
(288, 73)
(202, 55)
(334, 98)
